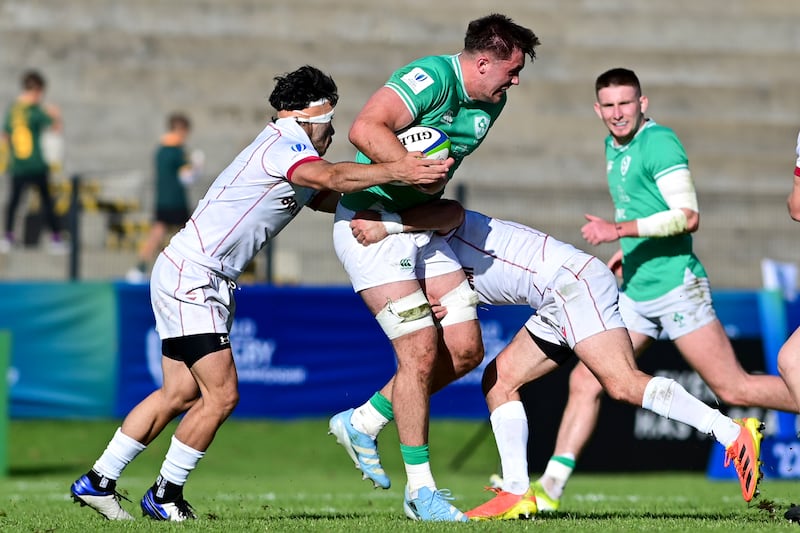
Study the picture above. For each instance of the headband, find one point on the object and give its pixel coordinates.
(318, 112)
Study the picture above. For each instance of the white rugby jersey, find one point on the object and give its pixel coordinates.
(505, 262)
(249, 203)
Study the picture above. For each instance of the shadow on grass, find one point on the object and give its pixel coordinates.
(41, 470)
(617, 515)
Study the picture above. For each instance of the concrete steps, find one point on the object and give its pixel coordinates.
(722, 73)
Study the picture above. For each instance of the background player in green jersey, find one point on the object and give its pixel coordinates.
(664, 288)
(175, 170)
(461, 94)
(26, 120)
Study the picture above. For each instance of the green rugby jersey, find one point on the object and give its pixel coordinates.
(651, 266)
(432, 89)
(24, 124)
(170, 192)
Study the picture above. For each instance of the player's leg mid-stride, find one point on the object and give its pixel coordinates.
(361, 448)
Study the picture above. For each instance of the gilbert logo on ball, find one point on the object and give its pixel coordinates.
(432, 142)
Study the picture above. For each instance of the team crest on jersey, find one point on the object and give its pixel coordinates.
(417, 80)
(447, 118)
(299, 147)
(625, 165)
(481, 126)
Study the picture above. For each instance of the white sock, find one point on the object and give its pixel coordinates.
(180, 460)
(120, 451)
(367, 419)
(557, 473)
(510, 426)
(669, 399)
(419, 476)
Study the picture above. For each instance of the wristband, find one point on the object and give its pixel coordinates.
(797, 170)
(392, 222)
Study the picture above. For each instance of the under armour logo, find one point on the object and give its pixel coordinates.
(224, 340)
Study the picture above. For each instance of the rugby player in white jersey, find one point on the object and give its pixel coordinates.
(193, 280)
(575, 297)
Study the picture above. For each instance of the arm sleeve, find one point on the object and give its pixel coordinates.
(670, 170)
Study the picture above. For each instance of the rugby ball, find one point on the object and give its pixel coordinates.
(432, 142)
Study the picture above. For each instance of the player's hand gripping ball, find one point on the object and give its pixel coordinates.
(432, 142)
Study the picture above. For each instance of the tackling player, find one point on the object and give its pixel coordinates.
(575, 298)
(193, 282)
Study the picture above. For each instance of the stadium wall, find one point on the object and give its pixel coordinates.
(722, 73)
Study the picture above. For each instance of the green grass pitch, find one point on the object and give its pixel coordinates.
(292, 476)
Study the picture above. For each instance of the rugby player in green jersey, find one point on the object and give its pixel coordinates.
(665, 290)
(461, 94)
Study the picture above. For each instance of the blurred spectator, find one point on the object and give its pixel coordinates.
(25, 122)
(174, 171)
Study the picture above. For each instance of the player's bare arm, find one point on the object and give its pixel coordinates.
(662, 224)
(615, 263)
(793, 202)
(599, 230)
(346, 177)
(374, 129)
(55, 115)
(682, 215)
(441, 216)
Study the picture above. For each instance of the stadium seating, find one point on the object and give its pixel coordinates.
(722, 74)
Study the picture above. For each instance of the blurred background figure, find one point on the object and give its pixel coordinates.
(25, 123)
(174, 172)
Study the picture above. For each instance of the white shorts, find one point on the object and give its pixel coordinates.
(188, 299)
(581, 301)
(398, 257)
(682, 310)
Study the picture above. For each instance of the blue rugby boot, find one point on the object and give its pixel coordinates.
(104, 500)
(173, 511)
(361, 448)
(432, 506)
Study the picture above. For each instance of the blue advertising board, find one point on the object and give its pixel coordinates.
(300, 352)
(90, 350)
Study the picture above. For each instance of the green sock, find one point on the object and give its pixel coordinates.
(569, 462)
(415, 455)
(382, 405)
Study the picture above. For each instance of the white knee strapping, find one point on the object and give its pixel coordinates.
(461, 305)
(405, 315)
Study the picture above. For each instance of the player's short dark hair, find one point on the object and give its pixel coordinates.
(33, 79)
(500, 35)
(618, 77)
(295, 90)
(178, 120)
